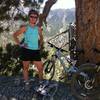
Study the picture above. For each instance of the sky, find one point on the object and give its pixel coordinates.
(65, 4)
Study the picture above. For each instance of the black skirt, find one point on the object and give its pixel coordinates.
(30, 55)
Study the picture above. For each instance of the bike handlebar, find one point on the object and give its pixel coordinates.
(52, 45)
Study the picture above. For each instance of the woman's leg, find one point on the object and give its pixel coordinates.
(39, 66)
(25, 69)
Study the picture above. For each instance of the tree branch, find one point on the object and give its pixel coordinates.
(46, 11)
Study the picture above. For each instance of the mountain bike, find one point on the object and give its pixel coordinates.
(83, 78)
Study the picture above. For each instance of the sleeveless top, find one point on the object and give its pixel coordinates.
(31, 37)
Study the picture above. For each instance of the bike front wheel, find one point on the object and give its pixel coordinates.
(85, 87)
(49, 69)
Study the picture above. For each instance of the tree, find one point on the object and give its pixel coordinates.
(88, 30)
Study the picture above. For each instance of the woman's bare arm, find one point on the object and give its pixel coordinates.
(17, 33)
(41, 37)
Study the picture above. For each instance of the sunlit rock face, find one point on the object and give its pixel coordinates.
(88, 29)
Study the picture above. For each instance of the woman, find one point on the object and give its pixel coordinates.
(30, 51)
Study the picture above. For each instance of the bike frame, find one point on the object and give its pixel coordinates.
(72, 69)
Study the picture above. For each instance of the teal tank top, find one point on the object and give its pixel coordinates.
(31, 37)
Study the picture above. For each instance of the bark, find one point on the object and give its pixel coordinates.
(88, 30)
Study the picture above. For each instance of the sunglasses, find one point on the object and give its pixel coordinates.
(34, 17)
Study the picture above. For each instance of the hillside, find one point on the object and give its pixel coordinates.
(59, 19)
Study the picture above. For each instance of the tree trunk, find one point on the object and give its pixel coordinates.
(88, 30)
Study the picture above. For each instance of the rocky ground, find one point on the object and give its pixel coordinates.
(13, 88)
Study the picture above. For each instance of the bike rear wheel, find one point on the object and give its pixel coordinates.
(49, 69)
(85, 87)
